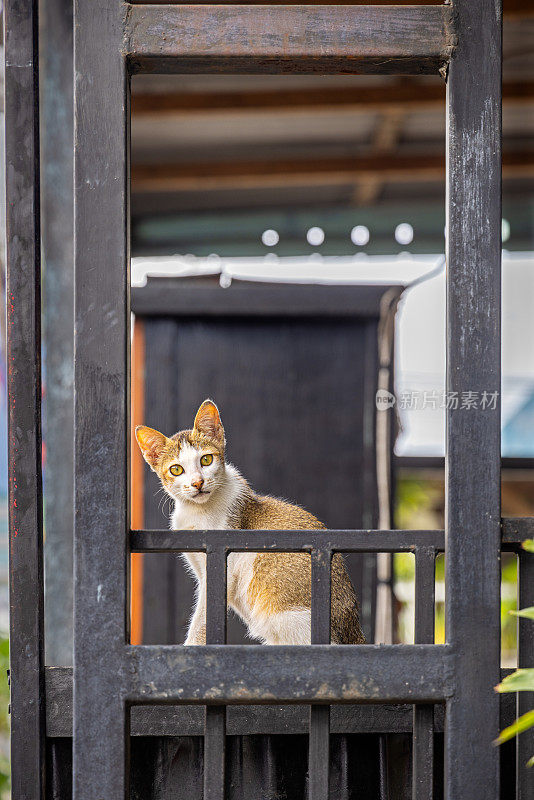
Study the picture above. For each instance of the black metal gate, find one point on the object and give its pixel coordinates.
(112, 41)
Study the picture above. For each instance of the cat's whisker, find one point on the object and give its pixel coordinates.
(163, 500)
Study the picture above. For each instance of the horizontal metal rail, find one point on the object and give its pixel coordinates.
(514, 531)
(241, 38)
(182, 720)
(220, 674)
(290, 541)
(162, 297)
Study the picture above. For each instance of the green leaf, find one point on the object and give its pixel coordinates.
(522, 680)
(528, 613)
(519, 726)
(528, 545)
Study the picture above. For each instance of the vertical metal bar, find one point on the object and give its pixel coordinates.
(525, 647)
(58, 321)
(473, 434)
(24, 388)
(137, 478)
(368, 587)
(321, 579)
(423, 716)
(215, 725)
(216, 596)
(383, 764)
(102, 404)
(319, 744)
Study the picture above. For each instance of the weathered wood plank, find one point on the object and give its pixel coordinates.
(240, 38)
(473, 480)
(243, 720)
(513, 9)
(102, 430)
(321, 674)
(26, 613)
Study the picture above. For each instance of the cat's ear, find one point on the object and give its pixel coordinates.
(151, 443)
(208, 422)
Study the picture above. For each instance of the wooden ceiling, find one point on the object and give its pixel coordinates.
(216, 142)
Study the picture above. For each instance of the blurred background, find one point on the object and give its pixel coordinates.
(336, 180)
(261, 205)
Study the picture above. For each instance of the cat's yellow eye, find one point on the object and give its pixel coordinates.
(176, 469)
(206, 460)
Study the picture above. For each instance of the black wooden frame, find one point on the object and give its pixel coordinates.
(112, 40)
(23, 250)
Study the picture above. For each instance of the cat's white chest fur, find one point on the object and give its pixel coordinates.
(196, 518)
(188, 517)
(218, 514)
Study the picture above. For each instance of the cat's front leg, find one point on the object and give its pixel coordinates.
(197, 627)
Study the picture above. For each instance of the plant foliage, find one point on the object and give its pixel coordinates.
(522, 680)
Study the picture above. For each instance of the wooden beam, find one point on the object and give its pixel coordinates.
(511, 8)
(310, 3)
(385, 139)
(299, 38)
(191, 177)
(407, 95)
(518, 9)
(387, 132)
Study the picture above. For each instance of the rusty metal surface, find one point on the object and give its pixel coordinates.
(240, 38)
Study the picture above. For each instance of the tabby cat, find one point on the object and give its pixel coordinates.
(270, 592)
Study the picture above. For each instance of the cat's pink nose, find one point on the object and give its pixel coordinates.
(198, 484)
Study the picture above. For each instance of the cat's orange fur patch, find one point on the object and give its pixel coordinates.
(280, 582)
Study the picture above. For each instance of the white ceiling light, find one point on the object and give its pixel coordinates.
(360, 235)
(270, 238)
(315, 236)
(404, 233)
